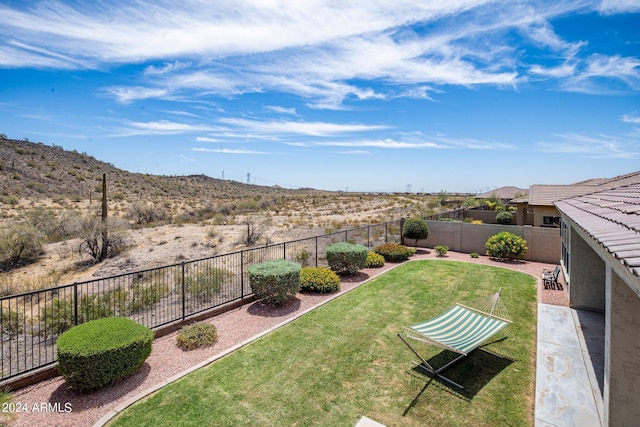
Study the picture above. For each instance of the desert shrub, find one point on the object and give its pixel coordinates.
(92, 307)
(142, 213)
(506, 245)
(275, 282)
(302, 258)
(143, 297)
(203, 283)
(415, 228)
(19, 243)
(346, 258)
(504, 218)
(394, 252)
(100, 352)
(12, 322)
(197, 335)
(319, 279)
(374, 260)
(441, 250)
(56, 317)
(474, 255)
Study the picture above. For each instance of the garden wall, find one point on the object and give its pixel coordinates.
(543, 243)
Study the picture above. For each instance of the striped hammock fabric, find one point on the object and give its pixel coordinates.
(460, 329)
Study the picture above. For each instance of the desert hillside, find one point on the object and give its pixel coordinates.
(50, 195)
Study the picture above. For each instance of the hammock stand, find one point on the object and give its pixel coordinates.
(461, 329)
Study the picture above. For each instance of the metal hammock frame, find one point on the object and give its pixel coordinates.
(462, 329)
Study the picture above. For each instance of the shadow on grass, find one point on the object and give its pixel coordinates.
(472, 372)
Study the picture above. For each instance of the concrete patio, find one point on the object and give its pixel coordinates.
(570, 361)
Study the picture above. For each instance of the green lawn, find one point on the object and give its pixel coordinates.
(344, 360)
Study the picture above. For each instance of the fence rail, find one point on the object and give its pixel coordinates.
(31, 322)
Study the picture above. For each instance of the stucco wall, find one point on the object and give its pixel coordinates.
(588, 273)
(543, 243)
(622, 367)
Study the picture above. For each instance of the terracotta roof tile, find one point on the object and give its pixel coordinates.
(612, 218)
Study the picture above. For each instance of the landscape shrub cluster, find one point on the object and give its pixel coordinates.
(275, 282)
(196, 335)
(506, 245)
(347, 258)
(319, 279)
(101, 352)
(393, 252)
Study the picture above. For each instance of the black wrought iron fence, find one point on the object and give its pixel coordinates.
(31, 322)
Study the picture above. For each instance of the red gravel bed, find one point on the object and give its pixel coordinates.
(51, 402)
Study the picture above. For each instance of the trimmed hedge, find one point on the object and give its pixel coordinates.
(275, 282)
(394, 252)
(347, 258)
(319, 279)
(100, 352)
(506, 245)
(374, 260)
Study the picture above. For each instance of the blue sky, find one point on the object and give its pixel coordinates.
(363, 95)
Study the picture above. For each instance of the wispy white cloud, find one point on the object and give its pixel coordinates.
(282, 110)
(627, 118)
(599, 146)
(415, 141)
(299, 127)
(160, 127)
(608, 7)
(228, 151)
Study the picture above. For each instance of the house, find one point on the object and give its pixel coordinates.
(600, 239)
(538, 209)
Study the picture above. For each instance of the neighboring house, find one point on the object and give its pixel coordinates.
(538, 207)
(600, 235)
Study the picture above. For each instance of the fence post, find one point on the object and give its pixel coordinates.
(368, 236)
(316, 251)
(386, 232)
(75, 303)
(401, 227)
(284, 250)
(241, 274)
(184, 293)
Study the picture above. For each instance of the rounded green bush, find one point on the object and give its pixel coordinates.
(394, 252)
(275, 282)
(441, 250)
(506, 245)
(100, 352)
(374, 260)
(197, 335)
(319, 279)
(415, 228)
(347, 258)
(504, 218)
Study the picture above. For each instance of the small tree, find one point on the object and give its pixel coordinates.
(415, 228)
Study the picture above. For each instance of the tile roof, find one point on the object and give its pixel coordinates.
(612, 218)
(546, 195)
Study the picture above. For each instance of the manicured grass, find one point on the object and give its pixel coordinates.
(344, 360)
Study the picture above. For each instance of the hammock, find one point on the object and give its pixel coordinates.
(462, 329)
